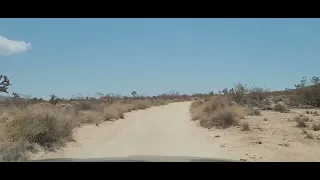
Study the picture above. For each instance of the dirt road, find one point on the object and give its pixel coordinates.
(165, 130)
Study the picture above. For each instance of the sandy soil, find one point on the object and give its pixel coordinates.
(273, 136)
(168, 131)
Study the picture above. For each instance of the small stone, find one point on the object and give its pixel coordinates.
(217, 136)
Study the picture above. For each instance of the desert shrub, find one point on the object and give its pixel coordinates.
(224, 117)
(41, 126)
(245, 126)
(257, 93)
(280, 108)
(316, 127)
(237, 93)
(15, 151)
(257, 112)
(215, 103)
(308, 92)
(90, 117)
(196, 104)
(217, 111)
(308, 135)
(301, 124)
(253, 112)
(141, 104)
(302, 118)
(85, 105)
(301, 121)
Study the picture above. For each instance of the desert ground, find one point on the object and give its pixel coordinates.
(164, 131)
(273, 136)
(169, 131)
(237, 124)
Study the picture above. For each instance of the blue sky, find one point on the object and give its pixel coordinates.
(151, 56)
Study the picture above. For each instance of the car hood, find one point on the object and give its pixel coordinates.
(139, 158)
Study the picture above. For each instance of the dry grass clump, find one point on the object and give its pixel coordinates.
(216, 111)
(117, 110)
(253, 112)
(85, 106)
(302, 118)
(301, 121)
(89, 117)
(224, 118)
(307, 91)
(308, 135)
(196, 104)
(113, 112)
(141, 104)
(301, 124)
(216, 103)
(47, 127)
(15, 151)
(280, 108)
(245, 126)
(316, 127)
(157, 102)
(42, 126)
(196, 108)
(315, 113)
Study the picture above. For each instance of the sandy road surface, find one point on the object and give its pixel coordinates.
(165, 130)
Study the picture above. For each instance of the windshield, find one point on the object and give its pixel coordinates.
(159, 89)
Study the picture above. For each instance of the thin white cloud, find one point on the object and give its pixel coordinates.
(9, 47)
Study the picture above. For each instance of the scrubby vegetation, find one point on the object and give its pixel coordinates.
(216, 111)
(245, 126)
(280, 108)
(308, 92)
(50, 124)
(225, 108)
(27, 124)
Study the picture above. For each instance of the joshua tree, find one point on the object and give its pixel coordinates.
(4, 84)
(53, 99)
(15, 96)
